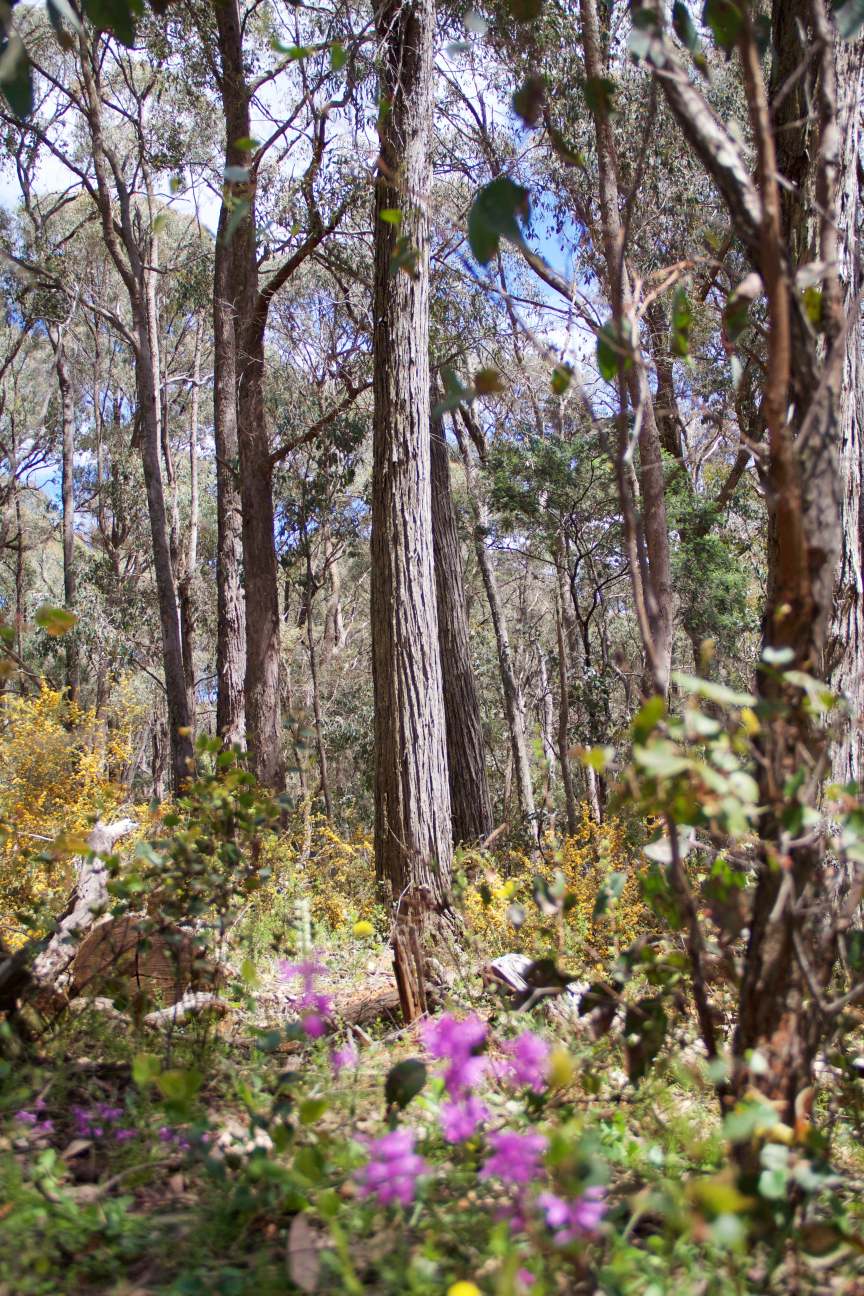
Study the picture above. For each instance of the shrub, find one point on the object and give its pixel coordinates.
(54, 762)
(599, 874)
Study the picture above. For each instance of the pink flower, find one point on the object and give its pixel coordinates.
(460, 1119)
(525, 1279)
(528, 1058)
(313, 1007)
(457, 1042)
(570, 1220)
(340, 1058)
(515, 1157)
(393, 1168)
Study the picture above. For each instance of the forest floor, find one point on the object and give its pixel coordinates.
(226, 1157)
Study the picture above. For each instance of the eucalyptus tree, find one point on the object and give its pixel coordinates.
(413, 847)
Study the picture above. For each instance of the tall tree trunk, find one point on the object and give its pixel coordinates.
(846, 639)
(308, 604)
(67, 424)
(133, 268)
(260, 568)
(179, 728)
(514, 703)
(186, 582)
(413, 846)
(238, 294)
(230, 604)
(469, 790)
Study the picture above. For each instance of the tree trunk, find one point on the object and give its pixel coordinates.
(238, 295)
(466, 758)
(180, 734)
(514, 703)
(316, 692)
(260, 569)
(230, 605)
(564, 724)
(656, 575)
(846, 638)
(186, 583)
(413, 847)
(67, 423)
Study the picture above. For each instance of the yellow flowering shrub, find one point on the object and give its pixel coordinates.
(54, 762)
(333, 871)
(587, 861)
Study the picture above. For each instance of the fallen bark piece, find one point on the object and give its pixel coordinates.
(163, 965)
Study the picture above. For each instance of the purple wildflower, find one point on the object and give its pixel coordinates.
(526, 1279)
(528, 1058)
(460, 1119)
(341, 1058)
(31, 1118)
(393, 1168)
(570, 1220)
(124, 1135)
(313, 1007)
(515, 1157)
(457, 1042)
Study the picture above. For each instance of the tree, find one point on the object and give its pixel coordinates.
(466, 756)
(412, 801)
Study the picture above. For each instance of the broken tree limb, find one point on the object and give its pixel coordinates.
(89, 897)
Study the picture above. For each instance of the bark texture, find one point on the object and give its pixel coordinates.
(230, 603)
(412, 800)
(466, 757)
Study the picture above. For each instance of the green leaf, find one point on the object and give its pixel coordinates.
(338, 56)
(311, 1110)
(562, 376)
(725, 20)
(600, 95)
(179, 1086)
(849, 17)
(685, 29)
(246, 144)
(773, 1184)
(55, 621)
(528, 100)
(713, 691)
(661, 760)
(495, 214)
(613, 352)
(16, 76)
(116, 16)
(238, 214)
(644, 1033)
(682, 318)
(145, 1068)
(813, 304)
(647, 718)
(405, 257)
(390, 215)
(404, 1081)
